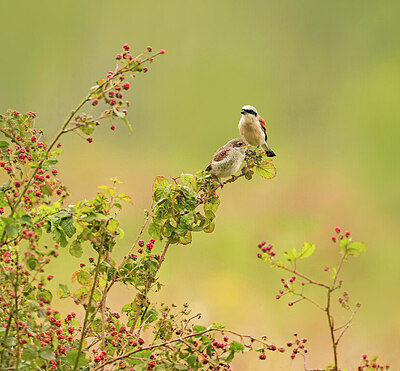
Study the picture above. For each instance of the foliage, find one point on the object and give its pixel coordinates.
(34, 334)
(298, 286)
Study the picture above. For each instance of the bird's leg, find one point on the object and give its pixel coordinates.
(252, 153)
(234, 177)
(221, 182)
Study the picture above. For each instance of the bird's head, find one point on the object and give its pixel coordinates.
(249, 111)
(238, 144)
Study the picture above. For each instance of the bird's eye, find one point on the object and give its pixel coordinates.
(240, 143)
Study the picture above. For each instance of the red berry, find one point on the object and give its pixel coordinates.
(149, 49)
(334, 239)
(17, 184)
(162, 51)
(141, 243)
(145, 69)
(112, 127)
(337, 229)
(94, 102)
(126, 85)
(33, 138)
(126, 47)
(262, 356)
(90, 140)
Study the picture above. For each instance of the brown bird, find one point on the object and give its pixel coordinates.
(253, 128)
(228, 159)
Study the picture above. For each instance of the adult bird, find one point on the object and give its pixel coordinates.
(253, 128)
(228, 159)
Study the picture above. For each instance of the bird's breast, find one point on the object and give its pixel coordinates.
(252, 132)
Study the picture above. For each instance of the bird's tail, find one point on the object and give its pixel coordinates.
(268, 151)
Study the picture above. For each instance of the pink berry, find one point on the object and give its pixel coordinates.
(126, 47)
(162, 51)
(337, 229)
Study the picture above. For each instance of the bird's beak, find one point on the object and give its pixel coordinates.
(248, 146)
(243, 112)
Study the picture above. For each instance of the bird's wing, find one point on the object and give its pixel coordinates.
(263, 126)
(221, 154)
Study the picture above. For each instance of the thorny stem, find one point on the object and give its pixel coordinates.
(180, 339)
(303, 276)
(85, 321)
(331, 329)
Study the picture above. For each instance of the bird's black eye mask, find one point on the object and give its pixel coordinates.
(250, 111)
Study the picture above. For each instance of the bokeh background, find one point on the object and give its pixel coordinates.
(325, 75)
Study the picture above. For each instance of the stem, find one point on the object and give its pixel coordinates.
(88, 307)
(332, 330)
(303, 276)
(16, 313)
(180, 339)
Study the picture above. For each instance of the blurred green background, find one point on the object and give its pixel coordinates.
(324, 74)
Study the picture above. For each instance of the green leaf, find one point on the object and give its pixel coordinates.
(49, 163)
(76, 249)
(81, 293)
(84, 278)
(151, 315)
(230, 357)
(32, 263)
(44, 295)
(155, 229)
(97, 295)
(4, 145)
(122, 116)
(307, 250)
(217, 325)
(63, 291)
(11, 341)
(189, 180)
(236, 347)
(291, 255)
(73, 354)
(356, 248)
(344, 243)
(29, 353)
(47, 354)
(11, 227)
(113, 225)
(210, 228)
(67, 224)
(161, 193)
(199, 328)
(266, 169)
(212, 204)
(186, 239)
(160, 181)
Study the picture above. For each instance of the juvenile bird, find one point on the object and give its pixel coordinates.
(253, 128)
(228, 159)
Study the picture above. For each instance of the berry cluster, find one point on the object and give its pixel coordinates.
(371, 364)
(297, 346)
(266, 249)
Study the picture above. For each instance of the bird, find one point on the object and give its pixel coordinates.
(253, 128)
(228, 159)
